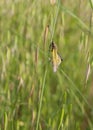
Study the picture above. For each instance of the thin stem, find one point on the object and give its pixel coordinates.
(41, 97)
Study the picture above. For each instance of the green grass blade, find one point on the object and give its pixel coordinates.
(41, 97)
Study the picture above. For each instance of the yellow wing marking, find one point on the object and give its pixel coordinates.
(55, 58)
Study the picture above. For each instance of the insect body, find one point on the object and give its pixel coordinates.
(55, 57)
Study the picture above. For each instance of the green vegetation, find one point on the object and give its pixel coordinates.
(32, 96)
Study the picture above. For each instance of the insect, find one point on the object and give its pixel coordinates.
(55, 57)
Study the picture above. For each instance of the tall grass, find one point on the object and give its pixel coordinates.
(32, 96)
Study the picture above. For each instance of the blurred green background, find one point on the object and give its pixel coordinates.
(32, 96)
